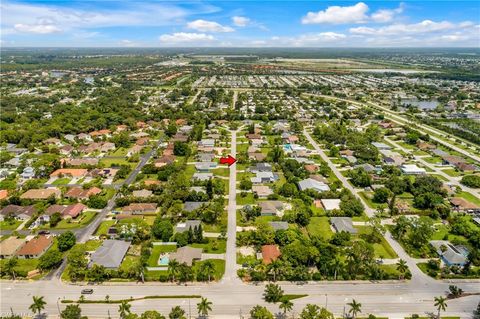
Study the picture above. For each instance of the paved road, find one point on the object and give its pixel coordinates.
(394, 300)
(230, 275)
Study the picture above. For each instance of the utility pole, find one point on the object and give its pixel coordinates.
(58, 307)
(326, 301)
(189, 310)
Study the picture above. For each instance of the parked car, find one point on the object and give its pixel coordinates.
(88, 291)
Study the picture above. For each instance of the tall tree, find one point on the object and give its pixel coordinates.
(173, 268)
(355, 308)
(402, 268)
(441, 304)
(38, 305)
(203, 307)
(285, 305)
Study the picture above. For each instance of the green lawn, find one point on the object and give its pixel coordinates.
(111, 162)
(320, 226)
(222, 171)
(23, 266)
(451, 172)
(81, 221)
(440, 177)
(245, 200)
(10, 225)
(61, 181)
(209, 248)
(382, 249)
(469, 197)
(367, 197)
(157, 250)
(219, 267)
(104, 226)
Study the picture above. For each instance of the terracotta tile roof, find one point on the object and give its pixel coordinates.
(270, 253)
(74, 172)
(35, 246)
(40, 193)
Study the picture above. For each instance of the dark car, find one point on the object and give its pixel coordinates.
(87, 291)
(44, 232)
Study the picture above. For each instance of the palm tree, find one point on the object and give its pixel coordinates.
(208, 269)
(274, 268)
(38, 305)
(337, 265)
(173, 267)
(355, 308)
(124, 309)
(402, 268)
(10, 265)
(441, 304)
(203, 307)
(285, 305)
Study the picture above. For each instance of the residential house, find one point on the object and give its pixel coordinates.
(70, 172)
(311, 183)
(451, 255)
(330, 204)
(143, 193)
(412, 169)
(343, 224)
(270, 253)
(82, 194)
(270, 207)
(262, 191)
(164, 160)
(35, 248)
(41, 194)
(10, 246)
(278, 225)
(191, 206)
(186, 225)
(186, 255)
(140, 208)
(18, 212)
(462, 205)
(110, 254)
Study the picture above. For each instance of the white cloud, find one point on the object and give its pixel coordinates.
(128, 43)
(208, 26)
(425, 26)
(32, 18)
(387, 15)
(184, 37)
(240, 21)
(40, 28)
(338, 15)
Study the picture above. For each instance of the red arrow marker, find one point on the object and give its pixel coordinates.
(228, 160)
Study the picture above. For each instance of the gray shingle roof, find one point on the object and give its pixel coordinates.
(110, 254)
(343, 224)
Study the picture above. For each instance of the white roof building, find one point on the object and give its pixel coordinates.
(412, 169)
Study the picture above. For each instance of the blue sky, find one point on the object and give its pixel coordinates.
(240, 23)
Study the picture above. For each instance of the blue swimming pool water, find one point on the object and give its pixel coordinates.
(163, 261)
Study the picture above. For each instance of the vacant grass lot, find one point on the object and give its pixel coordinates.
(104, 226)
(7, 225)
(214, 246)
(320, 226)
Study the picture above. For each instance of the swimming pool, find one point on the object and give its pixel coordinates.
(163, 261)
